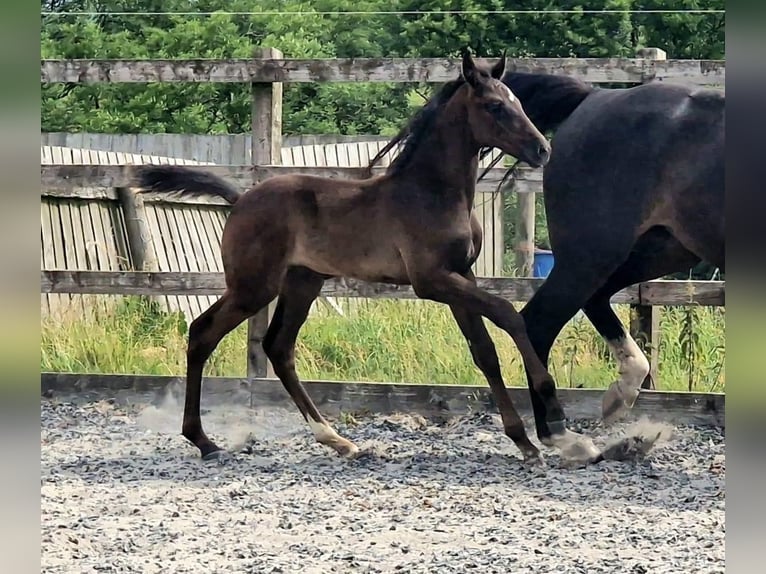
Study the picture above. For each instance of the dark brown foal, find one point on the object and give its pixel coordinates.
(414, 225)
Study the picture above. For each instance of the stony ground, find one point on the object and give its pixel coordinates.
(123, 492)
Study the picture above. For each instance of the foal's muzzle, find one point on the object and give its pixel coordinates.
(537, 153)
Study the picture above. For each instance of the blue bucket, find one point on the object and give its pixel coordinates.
(543, 263)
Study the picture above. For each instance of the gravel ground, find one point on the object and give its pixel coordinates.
(122, 491)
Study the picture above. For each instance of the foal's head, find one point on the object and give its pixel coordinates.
(496, 116)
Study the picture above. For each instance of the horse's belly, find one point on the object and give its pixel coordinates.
(358, 260)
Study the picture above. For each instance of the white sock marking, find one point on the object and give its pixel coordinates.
(632, 365)
(323, 432)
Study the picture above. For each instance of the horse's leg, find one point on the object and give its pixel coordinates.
(571, 283)
(300, 288)
(205, 332)
(656, 253)
(456, 290)
(485, 356)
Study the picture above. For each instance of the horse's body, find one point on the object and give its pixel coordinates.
(634, 190)
(414, 225)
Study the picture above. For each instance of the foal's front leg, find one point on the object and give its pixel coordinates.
(456, 290)
(485, 356)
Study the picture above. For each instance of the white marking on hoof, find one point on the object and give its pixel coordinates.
(325, 434)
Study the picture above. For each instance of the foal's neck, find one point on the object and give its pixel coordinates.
(447, 161)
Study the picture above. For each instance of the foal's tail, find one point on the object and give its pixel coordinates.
(183, 180)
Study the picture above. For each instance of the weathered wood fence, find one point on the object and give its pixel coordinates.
(266, 73)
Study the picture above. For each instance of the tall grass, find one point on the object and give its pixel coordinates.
(377, 340)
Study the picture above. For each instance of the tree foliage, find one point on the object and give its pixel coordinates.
(373, 108)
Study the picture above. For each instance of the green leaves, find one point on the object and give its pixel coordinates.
(327, 108)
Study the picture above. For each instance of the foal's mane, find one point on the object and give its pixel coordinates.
(411, 135)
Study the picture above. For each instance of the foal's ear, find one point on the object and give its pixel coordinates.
(470, 73)
(499, 68)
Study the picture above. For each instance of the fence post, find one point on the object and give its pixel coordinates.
(645, 319)
(266, 150)
(137, 230)
(524, 235)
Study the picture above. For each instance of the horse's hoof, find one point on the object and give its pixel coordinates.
(348, 449)
(220, 456)
(573, 446)
(615, 405)
(534, 460)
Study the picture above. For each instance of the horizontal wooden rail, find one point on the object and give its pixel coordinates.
(98, 181)
(334, 397)
(430, 70)
(671, 293)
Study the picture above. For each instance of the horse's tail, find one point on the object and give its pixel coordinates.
(182, 180)
(548, 99)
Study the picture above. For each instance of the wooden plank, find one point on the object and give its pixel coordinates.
(121, 237)
(411, 70)
(47, 252)
(198, 260)
(44, 297)
(71, 232)
(67, 230)
(208, 248)
(169, 301)
(354, 158)
(334, 397)
(513, 289)
(214, 228)
(57, 156)
(297, 156)
(93, 257)
(59, 247)
(81, 247)
(111, 233)
(172, 259)
(67, 180)
(86, 228)
(700, 72)
(682, 293)
(100, 237)
(185, 254)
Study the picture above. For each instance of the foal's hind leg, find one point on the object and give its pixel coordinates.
(485, 356)
(656, 253)
(205, 332)
(300, 288)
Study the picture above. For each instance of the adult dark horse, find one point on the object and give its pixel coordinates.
(634, 191)
(414, 225)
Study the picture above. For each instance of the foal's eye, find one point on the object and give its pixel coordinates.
(496, 107)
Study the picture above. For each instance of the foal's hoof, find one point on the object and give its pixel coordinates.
(534, 459)
(347, 449)
(220, 456)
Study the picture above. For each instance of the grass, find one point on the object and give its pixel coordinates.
(376, 340)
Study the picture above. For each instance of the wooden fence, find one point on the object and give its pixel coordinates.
(266, 73)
